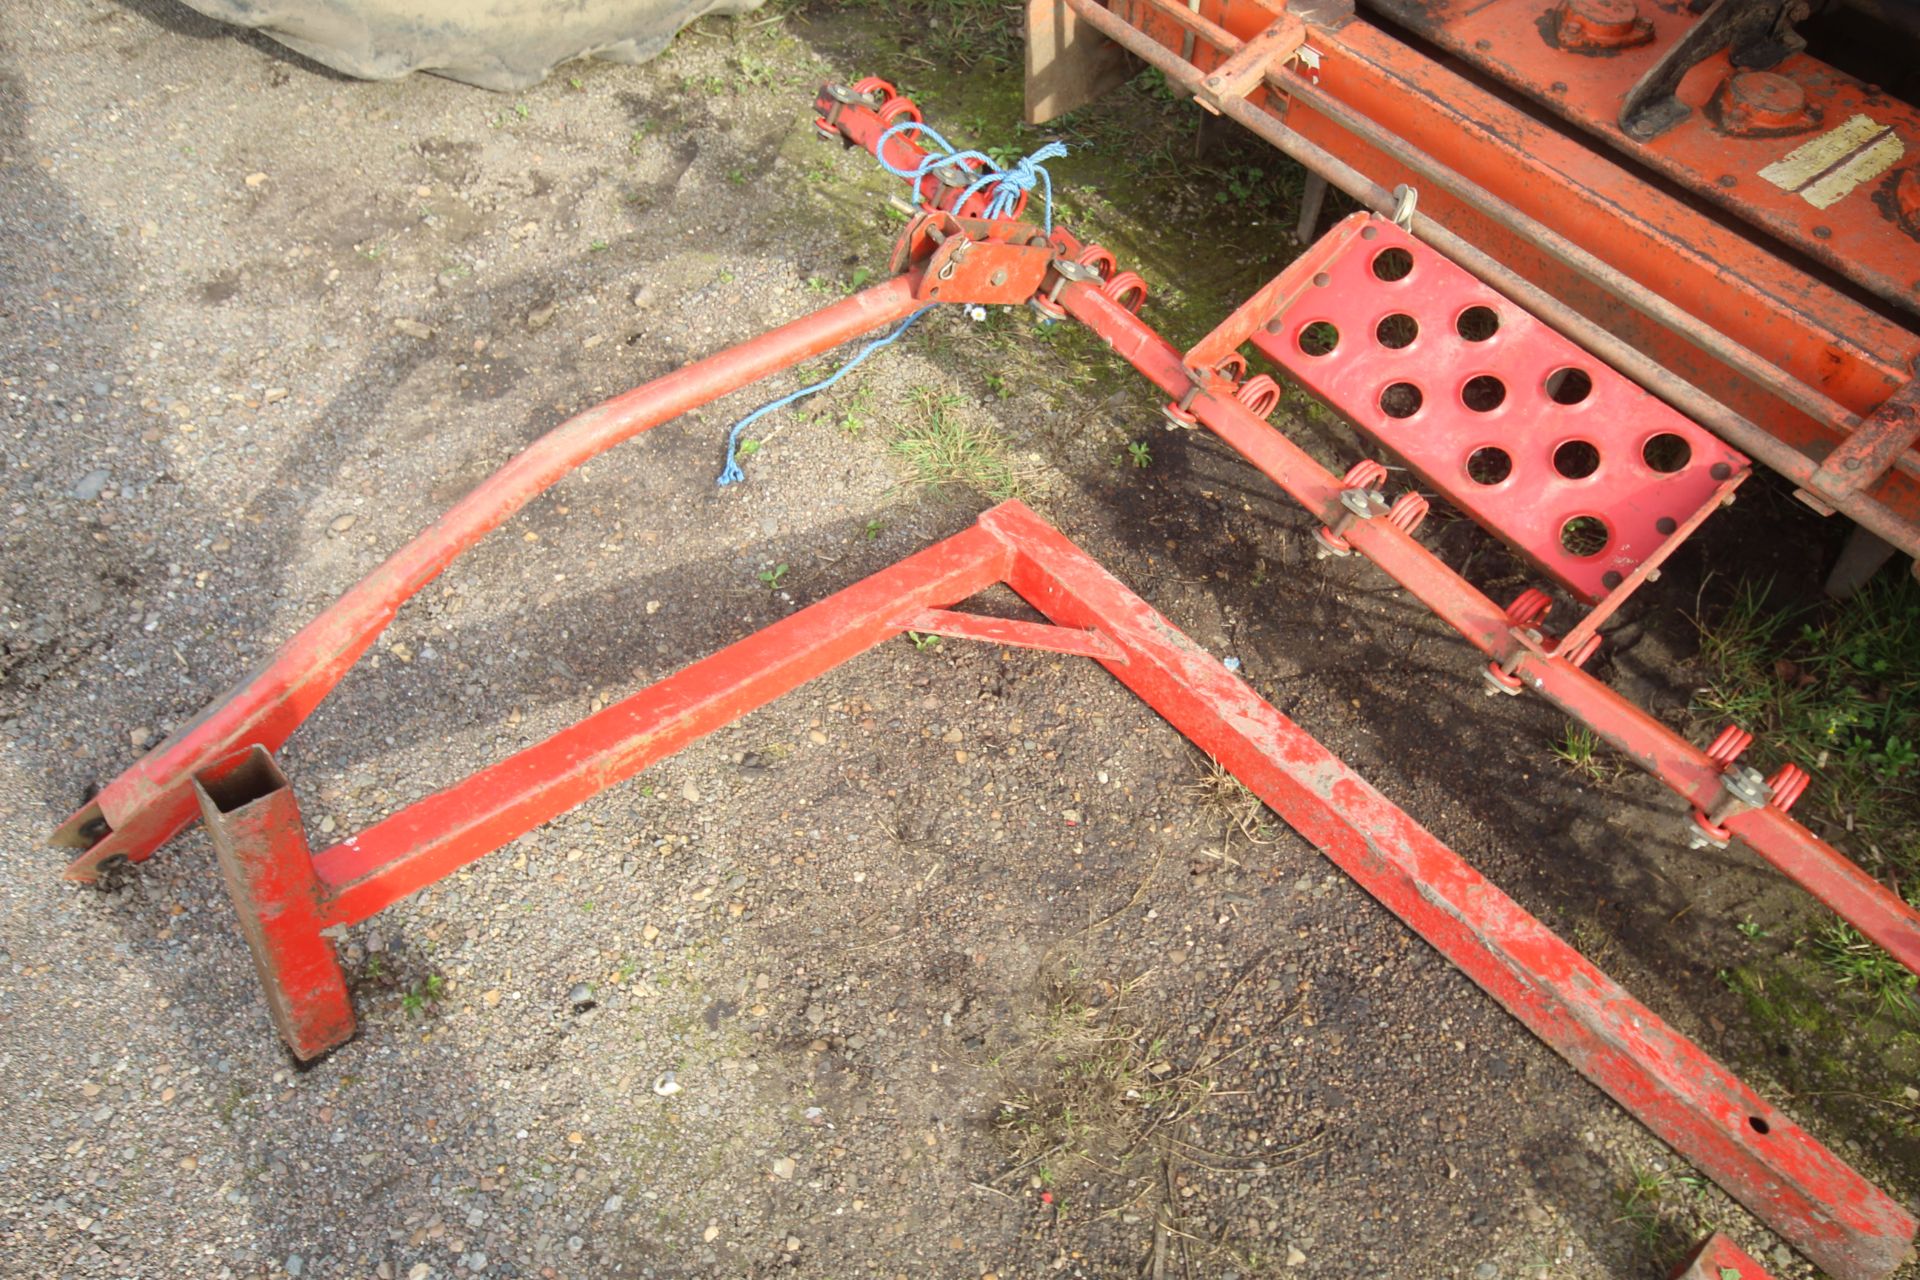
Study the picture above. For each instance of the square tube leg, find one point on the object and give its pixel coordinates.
(254, 820)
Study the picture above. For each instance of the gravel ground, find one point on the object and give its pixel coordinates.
(261, 324)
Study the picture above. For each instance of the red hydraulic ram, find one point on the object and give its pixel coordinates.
(287, 896)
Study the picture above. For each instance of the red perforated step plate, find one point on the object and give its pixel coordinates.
(1557, 455)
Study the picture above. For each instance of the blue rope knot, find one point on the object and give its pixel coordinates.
(1008, 185)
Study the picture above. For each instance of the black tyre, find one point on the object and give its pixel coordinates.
(496, 44)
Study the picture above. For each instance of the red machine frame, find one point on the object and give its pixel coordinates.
(221, 765)
(1780, 362)
(286, 895)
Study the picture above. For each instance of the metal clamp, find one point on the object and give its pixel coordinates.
(827, 126)
(1065, 271)
(1356, 504)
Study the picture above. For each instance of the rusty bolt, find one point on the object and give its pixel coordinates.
(1761, 104)
(1600, 26)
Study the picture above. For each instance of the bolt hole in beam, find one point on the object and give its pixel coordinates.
(1489, 464)
(1319, 339)
(1585, 536)
(1576, 459)
(1483, 393)
(1397, 331)
(1401, 400)
(1666, 453)
(1569, 386)
(1392, 264)
(1477, 323)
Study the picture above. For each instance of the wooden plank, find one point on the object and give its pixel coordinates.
(1069, 64)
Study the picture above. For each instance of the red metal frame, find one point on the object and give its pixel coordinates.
(286, 896)
(1522, 656)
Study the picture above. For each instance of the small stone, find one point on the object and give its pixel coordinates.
(613, 1204)
(783, 1168)
(1295, 1258)
(419, 1271)
(91, 484)
(384, 1271)
(491, 998)
(581, 997)
(643, 297)
(541, 317)
(649, 932)
(666, 1086)
(221, 544)
(400, 651)
(793, 1244)
(710, 1234)
(412, 329)
(477, 1263)
(817, 738)
(342, 523)
(274, 395)
(295, 1263)
(140, 737)
(690, 793)
(327, 825)
(255, 180)
(653, 606)
(1486, 1271)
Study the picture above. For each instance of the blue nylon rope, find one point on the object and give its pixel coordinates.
(1007, 184)
(732, 474)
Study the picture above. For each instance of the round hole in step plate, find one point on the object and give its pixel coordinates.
(1585, 536)
(1569, 386)
(1666, 452)
(1576, 459)
(1319, 338)
(1477, 324)
(1392, 265)
(1401, 400)
(1483, 393)
(1397, 331)
(1489, 464)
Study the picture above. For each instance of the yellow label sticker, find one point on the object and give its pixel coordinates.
(1827, 168)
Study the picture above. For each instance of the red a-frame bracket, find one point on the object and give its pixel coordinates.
(286, 895)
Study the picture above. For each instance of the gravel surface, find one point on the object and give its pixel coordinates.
(764, 1009)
